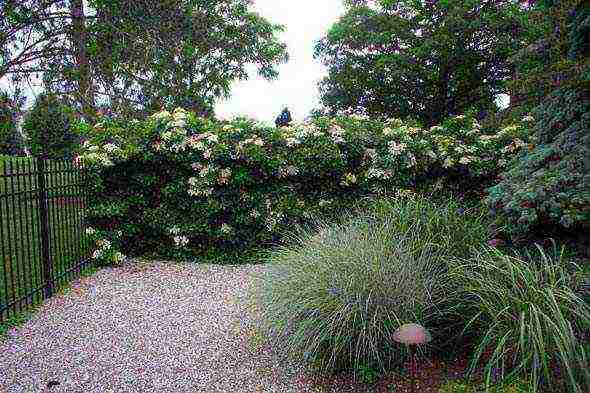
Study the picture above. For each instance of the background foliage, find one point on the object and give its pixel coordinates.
(49, 127)
(545, 192)
(423, 60)
(136, 56)
(10, 141)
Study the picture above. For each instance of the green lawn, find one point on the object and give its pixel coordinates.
(20, 244)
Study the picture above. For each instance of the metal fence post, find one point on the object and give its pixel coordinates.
(44, 230)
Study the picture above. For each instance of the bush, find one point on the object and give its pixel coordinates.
(180, 185)
(545, 187)
(335, 295)
(10, 143)
(49, 127)
(529, 316)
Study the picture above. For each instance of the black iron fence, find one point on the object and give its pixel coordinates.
(42, 235)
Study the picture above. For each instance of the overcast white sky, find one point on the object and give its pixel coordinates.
(306, 21)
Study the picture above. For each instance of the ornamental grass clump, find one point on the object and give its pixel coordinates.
(529, 317)
(334, 296)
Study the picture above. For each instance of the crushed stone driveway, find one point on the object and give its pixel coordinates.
(157, 327)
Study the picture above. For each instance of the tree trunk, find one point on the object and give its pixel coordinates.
(79, 39)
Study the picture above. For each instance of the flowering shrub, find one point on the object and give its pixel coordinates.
(179, 184)
(105, 253)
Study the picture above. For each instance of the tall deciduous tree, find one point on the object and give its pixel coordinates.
(136, 55)
(423, 59)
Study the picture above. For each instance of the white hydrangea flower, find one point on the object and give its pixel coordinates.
(292, 142)
(348, 179)
(288, 171)
(226, 229)
(174, 230)
(431, 154)
(97, 254)
(394, 122)
(370, 154)
(90, 231)
(528, 118)
(110, 147)
(178, 147)
(178, 123)
(179, 113)
(466, 160)
(338, 139)
(224, 176)
(105, 161)
(104, 244)
(375, 173)
(336, 130)
(161, 115)
(180, 241)
(254, 213)
(387, 131)
(396, 148)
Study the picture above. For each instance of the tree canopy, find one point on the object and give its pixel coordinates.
(137, 54)
(423, 59)
(49, 127)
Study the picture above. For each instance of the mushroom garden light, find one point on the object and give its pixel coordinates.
(412, 334)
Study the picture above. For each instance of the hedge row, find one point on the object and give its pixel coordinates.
(181, 185)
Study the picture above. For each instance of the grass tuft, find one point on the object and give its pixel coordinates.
(529, 317)
(333, 296)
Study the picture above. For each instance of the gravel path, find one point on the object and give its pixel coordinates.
(146, 328)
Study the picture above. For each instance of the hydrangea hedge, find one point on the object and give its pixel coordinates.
(179, 185)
